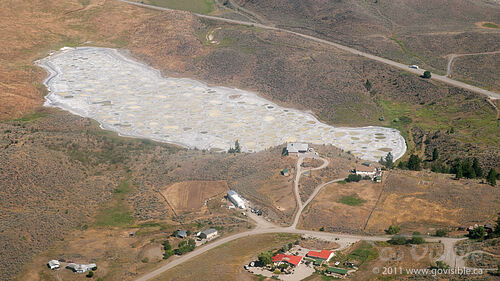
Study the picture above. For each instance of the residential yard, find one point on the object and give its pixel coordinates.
(226, 261)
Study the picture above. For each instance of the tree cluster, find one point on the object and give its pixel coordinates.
(414, 163)
(168, 250)
(236, 149)
(415, 239)
(388, 161)
(353, 178)
(184, 247)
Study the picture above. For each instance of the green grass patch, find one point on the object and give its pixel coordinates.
(490, 25)
(405, 49)
(351, 200)
(118, 214)
(195, 6)
(30, 117)
(364, 253)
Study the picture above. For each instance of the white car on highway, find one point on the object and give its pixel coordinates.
(414, 66)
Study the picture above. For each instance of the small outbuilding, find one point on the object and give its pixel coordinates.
(181, 233)
(80, 268)
(285, 172)
(208, 234)
(337, 270)
(54, 264)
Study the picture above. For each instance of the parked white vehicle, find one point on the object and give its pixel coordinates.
(414, 66)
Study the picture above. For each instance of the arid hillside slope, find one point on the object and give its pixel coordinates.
(414, 32)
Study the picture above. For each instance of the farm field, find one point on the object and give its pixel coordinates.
(191, 196)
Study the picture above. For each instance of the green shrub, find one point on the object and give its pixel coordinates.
(441, 232)
(353, 178)
(393, 229)
(397, 240)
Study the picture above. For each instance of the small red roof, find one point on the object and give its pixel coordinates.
(324, 254)
(295, 260)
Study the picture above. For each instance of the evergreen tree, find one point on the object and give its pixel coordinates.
(414, 163)
(467, 170)
(491, 178)
(477, 168)
(237, 148)
(389, 163)
(435, 154)
(458, 171)
(368, 85)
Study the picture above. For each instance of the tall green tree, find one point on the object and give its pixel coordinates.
(414, 163)
(467, 169)
(389, 161)
(265, 258)
(491, 178)
(458, 171)
(427, 74)
(368, 85)
(435, 154)
(477, 168)
(237, 147)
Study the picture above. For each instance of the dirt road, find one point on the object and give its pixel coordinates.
(404, 67)
(262, 227)
(454, 56)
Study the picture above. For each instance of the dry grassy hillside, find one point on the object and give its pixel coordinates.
(30, 29)
(421, 32)
(332, 84)
(281, 67)
(416, 201)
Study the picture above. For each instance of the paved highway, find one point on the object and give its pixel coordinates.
(405, 67)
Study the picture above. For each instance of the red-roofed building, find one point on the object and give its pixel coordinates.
(324, 255)
(281, 258)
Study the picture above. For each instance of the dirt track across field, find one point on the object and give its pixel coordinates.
(262, 227)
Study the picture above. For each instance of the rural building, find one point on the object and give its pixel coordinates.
(365, 171)
(294, 148)
(54, 264)
(80, 268)
(209, 233)
(378, 176)
(282, 258)
(236, 199)
(323, 254)
(181, 233)
(336, 270)
(285, 172)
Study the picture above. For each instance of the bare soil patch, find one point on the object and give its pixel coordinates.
(191, 196)
(327, 211)
(424, 201)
